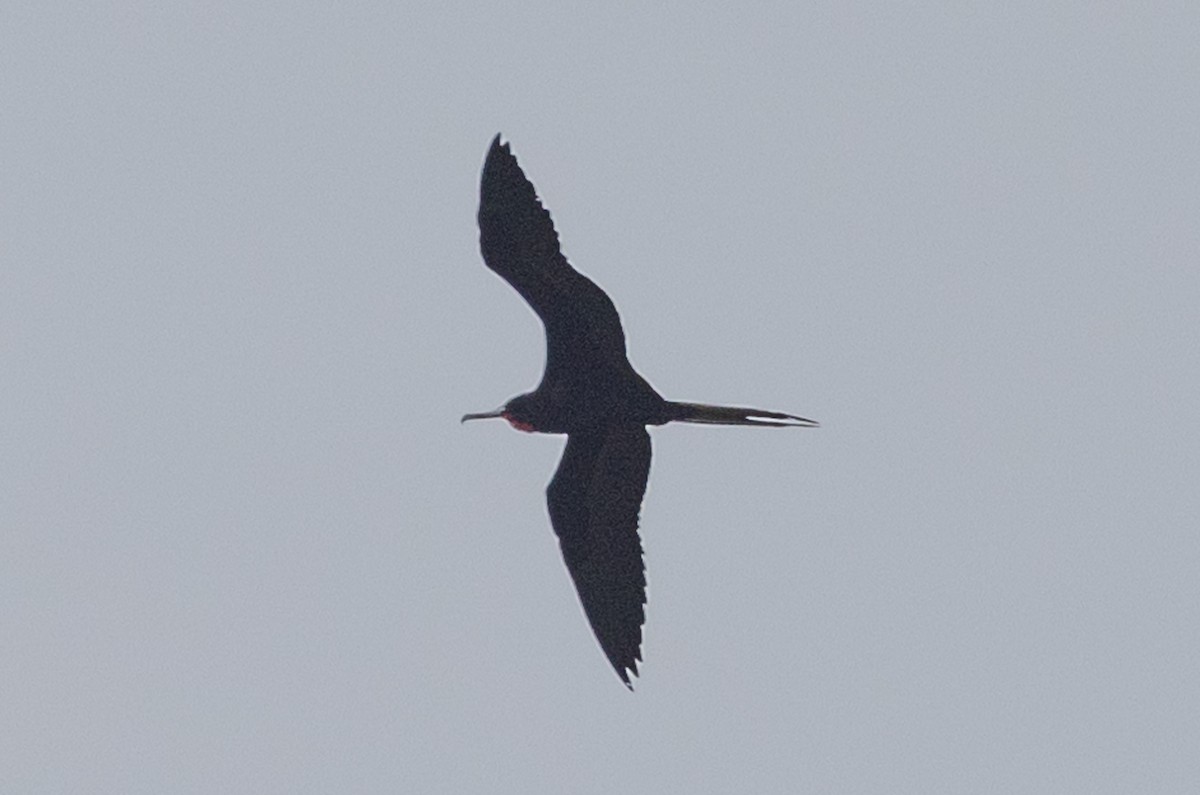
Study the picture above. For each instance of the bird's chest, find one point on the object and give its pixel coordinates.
(583, 402)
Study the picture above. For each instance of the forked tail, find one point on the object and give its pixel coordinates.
(734, 415)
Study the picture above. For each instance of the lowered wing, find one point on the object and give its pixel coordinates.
(594, 501)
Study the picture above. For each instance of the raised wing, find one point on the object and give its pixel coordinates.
(519, 243)
(594, 501)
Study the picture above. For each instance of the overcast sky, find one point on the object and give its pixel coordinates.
(246, 547)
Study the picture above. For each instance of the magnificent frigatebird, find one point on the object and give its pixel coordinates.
(590, 392)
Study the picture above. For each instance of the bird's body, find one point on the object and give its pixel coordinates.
(590, 392)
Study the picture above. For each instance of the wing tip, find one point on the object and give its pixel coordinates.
(500, 167)
(628, 671)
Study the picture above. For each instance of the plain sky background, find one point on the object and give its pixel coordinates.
(246, 547)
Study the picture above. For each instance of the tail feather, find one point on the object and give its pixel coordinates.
(734, 415)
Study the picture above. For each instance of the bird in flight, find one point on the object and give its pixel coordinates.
(590, 392)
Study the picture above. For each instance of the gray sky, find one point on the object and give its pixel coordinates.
(247, 547)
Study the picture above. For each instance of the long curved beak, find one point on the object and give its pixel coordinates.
(486, 415)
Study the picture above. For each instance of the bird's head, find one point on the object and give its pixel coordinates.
(518, 411)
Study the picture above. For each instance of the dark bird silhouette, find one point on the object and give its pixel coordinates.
(590, 392)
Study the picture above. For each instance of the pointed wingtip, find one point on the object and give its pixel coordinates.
(499, 156)
(628, 673)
